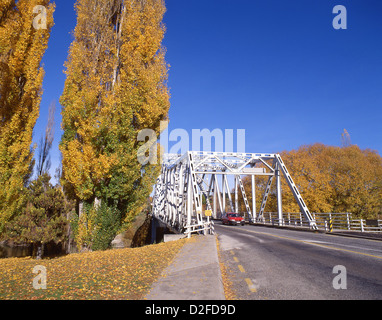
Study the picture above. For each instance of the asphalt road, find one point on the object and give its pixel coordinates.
(280, 264)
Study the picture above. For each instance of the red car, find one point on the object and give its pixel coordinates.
(232, 218)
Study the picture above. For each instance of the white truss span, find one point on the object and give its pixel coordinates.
(194, 185)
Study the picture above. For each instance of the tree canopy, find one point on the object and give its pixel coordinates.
(22, 47)
(116, 85)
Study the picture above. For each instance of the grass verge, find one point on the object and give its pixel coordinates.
(112, 274)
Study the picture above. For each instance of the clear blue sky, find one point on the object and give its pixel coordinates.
(276, 68)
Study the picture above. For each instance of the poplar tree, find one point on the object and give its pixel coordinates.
(22, 47)
(116, 85)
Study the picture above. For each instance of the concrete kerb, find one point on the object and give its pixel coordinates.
(194, 273)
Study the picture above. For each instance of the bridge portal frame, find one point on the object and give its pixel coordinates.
(187, 179)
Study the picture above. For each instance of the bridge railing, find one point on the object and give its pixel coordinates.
(206, 227)
(290, 219)
(333, 221)
(324, 221)
(367, 225)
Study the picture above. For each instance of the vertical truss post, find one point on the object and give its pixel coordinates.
(165, 204)
(184, 208)
(279, 200)
(179, 196)
(218, 193)
(170, 195)
(214, 211)
(189, 207)
(236, 196)
(177, 186)
(223, 193)
(253, 197)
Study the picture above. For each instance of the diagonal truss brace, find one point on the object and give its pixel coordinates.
(304, 209)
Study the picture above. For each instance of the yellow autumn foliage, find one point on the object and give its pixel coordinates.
(116, 85)
(330, 179)
(123, 274)
(21, 75)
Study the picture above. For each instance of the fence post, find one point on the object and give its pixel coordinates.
(362, 228)
(348, 221)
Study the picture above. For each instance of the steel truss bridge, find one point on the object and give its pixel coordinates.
(193, 188)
